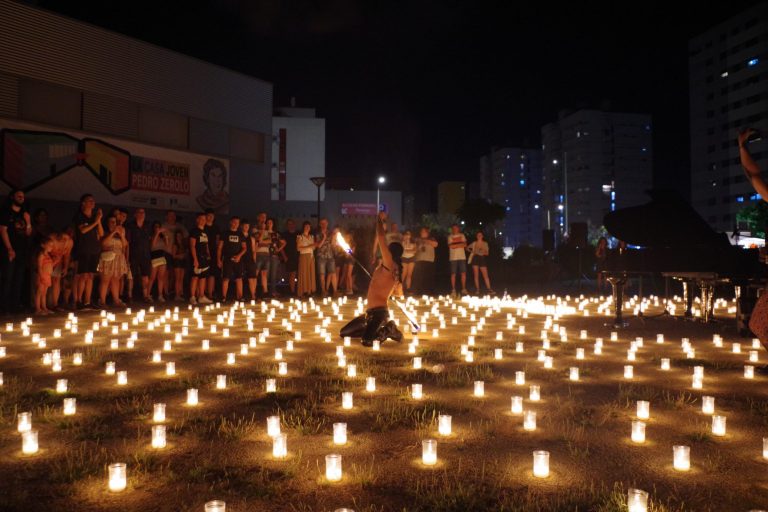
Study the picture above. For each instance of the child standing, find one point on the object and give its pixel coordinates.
(44, 272)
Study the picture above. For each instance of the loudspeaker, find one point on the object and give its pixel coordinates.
(548, 239)
(578, 236)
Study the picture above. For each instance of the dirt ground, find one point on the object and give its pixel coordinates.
(220, 449)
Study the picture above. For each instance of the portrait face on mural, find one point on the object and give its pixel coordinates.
(215, 195)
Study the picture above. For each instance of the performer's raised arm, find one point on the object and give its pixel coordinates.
(381, 238)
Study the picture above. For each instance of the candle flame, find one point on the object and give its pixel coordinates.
(343, 243)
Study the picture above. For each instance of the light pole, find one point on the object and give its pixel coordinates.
(318, 181)
(379, 182)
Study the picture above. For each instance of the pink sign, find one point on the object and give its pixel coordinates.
(358, 208)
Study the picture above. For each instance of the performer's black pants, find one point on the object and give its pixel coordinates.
(366, 326)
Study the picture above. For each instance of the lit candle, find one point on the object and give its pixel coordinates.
(24, 422)
(638, 431)
(529, 420)
(517, 405)
(158, 412)
(548, 361)
(333, 467)
(417, 363)
(158, 436)
(61, 385)
(70, 406)
(206, 345)
(718, 426)
(192, 396)
(736, 348)
(370, 384)
(753, 356)
(643, 409)
(682, 457)
(637, 501)
(271, 386)
(215, 506)
(109, 368)
(429, 452)
(665, 364)
(534, 393)
(352, 370)
(167, 345)
(243, 349)
(122, 378)
(541, 464)
(346, 400)
(29, 442)
(221, 382)
(520, 378)
(416, 391)
(230, 358)
(77, 359)
(697, 382)
(280, 446)
(519, 346)
(282, 368)
(573, 373)
(629, 372)
(708, 404)
(340, 433)
(469, 357)
(765, 447)
(444, 425)
(117, 476)
(156, 356)
(498, 354)
(749, 371)
(579, 353)
(479, 388)
(170, 368)
(376, 345)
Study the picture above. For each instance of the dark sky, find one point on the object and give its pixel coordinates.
(419, 90)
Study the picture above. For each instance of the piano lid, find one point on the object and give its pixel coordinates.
(666, 221)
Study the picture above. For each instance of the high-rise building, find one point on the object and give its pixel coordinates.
(451, 196)
(728, 73)
(298, 153)
(511, 177)
(594, 162)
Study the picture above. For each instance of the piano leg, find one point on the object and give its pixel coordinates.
(617, 287)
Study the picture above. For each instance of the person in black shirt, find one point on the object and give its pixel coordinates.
(88, 248)
(249, 258)
(291, 253)
(229, 255)
(139, 241)
(199, 249)
(15, 232)
(213, 238)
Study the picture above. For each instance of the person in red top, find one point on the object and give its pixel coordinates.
(45, 263)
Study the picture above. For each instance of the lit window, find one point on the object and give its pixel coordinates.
(644, 150)
(536, 206)
(724, 74)
(752, 62)
(578, 134)
(522, 183)
(739, 199)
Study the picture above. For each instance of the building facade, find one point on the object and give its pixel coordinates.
(594, 162)
(512, 177)
(728, 83)
(83, 109)
(451, 196)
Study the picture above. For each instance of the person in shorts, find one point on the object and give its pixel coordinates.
(232, 247)
(139, 237)
(199, 249)
(248, 259)
(479, 260)
(457, 244)
(262, 253)
(291, 253)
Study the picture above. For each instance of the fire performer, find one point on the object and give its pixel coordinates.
(375, 323)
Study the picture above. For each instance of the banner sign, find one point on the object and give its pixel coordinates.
(358, 209)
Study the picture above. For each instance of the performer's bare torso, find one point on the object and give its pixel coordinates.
(382, 283)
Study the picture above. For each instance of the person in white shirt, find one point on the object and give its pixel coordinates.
(457, 244)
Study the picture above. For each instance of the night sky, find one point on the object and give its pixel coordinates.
(422, 89)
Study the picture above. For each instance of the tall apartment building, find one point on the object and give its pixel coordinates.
(728, 73)
(511, 177)
(594, 162)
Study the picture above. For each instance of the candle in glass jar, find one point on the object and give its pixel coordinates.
(109, 368)
(529, 420)
(573, 373)
(170, 368)
(444, 424)
(749, 371)
(158, 436)
(665, 363)
(29, 442)
(221, 382)
(280, 446)
(273, 425)
(70, 406)
(541, 464)
(122, 378)
(579, 353)
(117, 476)
(230, 358)
(629, 372)
(429, 452)
(708, 404)
(271, 385)
(61, 385)
(370, 384)
(534, 393)
(24, 422)
(520, 378)
(498, 354)
(416, 392)
(77, 359)
(681, 458)
(637, 501)
(333, 467)
(192, 396)
(718, 426)
(205, 345)
(339, 433)
(765, 447)
(346, 400)
(517, 405)
(351, 370)
(417, 363)
(638, 431)
(158, 412)
(643, 409)
(519, 347)
(479, 388)
(215, 506)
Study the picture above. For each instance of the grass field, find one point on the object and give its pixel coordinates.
(220, 449)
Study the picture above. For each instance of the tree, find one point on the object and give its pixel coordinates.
(479, 213)
(756, 218)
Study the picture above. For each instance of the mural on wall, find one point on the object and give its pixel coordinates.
(63, 166)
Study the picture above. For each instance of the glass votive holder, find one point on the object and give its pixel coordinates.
(629, 372)
(643, 409)
(665, 363)
(517, 405)
(519, 347)
(77, 359)
(534, 393)
(282, 368)
(170, 368)
(271, 385)
(231, 358)
(221, 382)
(498, 354)
(541, 464)
(708, 404)
(158, 436)
(122, 378)
(29, 442)
(280, 446)
(718, 426)
(749, 371)
(579, 353)
(573, 373)
(109, 368)
(70, 406)
(765, 447)
(638, 431)
(205, 345)
(637, 501)
(697, 382)
(681, 457)
(429, 452)
(370, 384)
(24, 422)
(346, 400)
(117, 476)
(416, 391)
(340, 433)
(61, 385)
(529, 421)
(444, 424)
(243, 349)
(215, 506)
(351, 370)
(192, 396)
(167, 345)
(333, 467)
(158, 412)
(479, 390)
(273, 426)
(417, 363)
(157, 356)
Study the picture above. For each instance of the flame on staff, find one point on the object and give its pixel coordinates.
(343, 243)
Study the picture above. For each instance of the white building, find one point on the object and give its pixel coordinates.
(298, 154)
(728, 91)
(594, 162)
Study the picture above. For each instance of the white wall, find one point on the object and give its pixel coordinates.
(305, 156)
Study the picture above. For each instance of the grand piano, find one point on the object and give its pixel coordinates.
(675, 242)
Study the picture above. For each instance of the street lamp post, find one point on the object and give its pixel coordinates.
(379, 182)
(318, 181)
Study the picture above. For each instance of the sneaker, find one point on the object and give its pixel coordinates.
(464, 291)
(160, 298)
(148, 299)
(193, 300)
(205, 300)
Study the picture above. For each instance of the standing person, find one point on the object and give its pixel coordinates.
(249, 258)
(161, 245)
(112, 264)
(457, 245)
(173, 226)
(479, 261)
(61, 251)
(263, 259)
(601, 255)
(230, 251)
(424, 268)
(393, 234)
(140, 240)
(199, 249)
(275, 250)
(409, 257)
(180, 258)
(305, 245)
(347, 266)
(88, 247)
(291, 253)
(45, 262)
(15, 233)
(213, 238)
(326, 265)
(41, 228)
